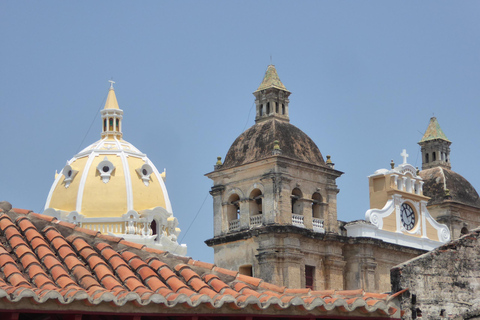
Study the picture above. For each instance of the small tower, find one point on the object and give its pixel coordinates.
(271, 97)
(112, 116)
(435, 147)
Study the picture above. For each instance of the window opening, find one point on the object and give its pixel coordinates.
(426, 158)
(246, 270)
(118, 125)
(283, 108)
(256, 202)
(309, 276)
(110, 123)
(261, 110)
(434, 156)
(268, 108)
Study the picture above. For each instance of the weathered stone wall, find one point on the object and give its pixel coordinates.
(443, 283)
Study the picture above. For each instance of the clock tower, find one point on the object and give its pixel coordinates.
(398, 210)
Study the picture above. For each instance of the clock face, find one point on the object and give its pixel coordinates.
(408, 216)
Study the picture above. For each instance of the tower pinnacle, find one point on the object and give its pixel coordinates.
(271, 97)
(112, 115)
(435, 147)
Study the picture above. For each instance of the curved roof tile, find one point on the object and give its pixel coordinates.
(51, 260)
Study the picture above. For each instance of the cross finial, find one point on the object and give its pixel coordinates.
(404, 156)
(111, 83)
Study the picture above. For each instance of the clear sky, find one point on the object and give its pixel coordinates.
(365, 77)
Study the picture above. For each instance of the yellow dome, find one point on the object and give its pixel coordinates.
(108, 179)
(111, 187)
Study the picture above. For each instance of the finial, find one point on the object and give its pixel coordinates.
(276, 145)
(218, 164)
(329, 162)
(111, 84)
(404, 156)
(418, 171)
(392, 164)
(276, 148)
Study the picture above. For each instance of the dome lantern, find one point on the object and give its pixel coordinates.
(112, 115)
(271, 97)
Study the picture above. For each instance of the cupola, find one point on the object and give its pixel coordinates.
(435, 147)
(271, 97)
(112, 116)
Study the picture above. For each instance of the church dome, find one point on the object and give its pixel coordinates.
(258, 142)
(439, 179)
(272, 123)
(110, 177)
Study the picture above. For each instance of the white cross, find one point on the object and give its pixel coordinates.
(404, 156)
(111, 83)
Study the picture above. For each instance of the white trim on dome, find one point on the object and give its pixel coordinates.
(81, 187)
(128, 178)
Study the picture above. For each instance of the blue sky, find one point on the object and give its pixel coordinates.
(365, 78)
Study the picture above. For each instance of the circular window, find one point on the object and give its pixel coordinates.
(145, 172)
(69, 173)
(106, 168)
(407, 216)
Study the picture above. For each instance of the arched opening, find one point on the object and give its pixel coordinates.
(268, 108)
(256, 202)
(283, 108)
(296, 204)
(233, 211)
(153, 226)
(464, 231)
(434, 156)
(317, 206)
(104, 125)
(426, 158)
(260, 111)
(110, 124)
(276, 107)
(117, 122)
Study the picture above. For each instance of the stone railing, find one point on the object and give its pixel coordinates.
(256, 220)
(234, 225)
(318, 225)
(297, 220)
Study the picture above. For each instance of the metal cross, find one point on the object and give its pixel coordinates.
(404, 156)
(111, 83)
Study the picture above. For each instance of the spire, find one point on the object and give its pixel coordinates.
(435, 147)
(271, 97)
(434, 131)
(111, 98)
(112, 116)
(271, 80)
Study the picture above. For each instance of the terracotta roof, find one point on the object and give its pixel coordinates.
(43, 260)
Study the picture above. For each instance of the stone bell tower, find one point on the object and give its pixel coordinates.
(272, 195)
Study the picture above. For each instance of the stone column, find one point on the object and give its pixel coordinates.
(307, 213)
(334, 266)
(244, 213)
(330, 222)
(220, 221)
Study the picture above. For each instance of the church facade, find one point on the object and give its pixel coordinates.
(275, 208)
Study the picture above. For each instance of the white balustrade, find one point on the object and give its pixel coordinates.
(297, 220)
(234, 225)
(256, 220)
(317, 223)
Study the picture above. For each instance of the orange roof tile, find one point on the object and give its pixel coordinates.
(52, 260)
